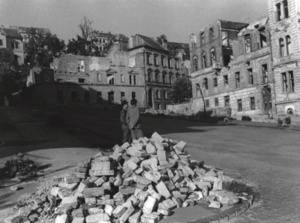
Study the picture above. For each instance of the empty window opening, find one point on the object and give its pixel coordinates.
(195, 63)
(171, 78)
(291, 80)
(225, 80)
(240, 105)
(81, 80)
(80, 64)
(226, 101)
(203, 60)
(122, 78)
(237, 80)
(281, 48)
(252, 103)
(215, 82)
(111, 78)
(263, 40)
(156, 60)
(205, 83)
(212, 56)
(250, 75)
(288, 45)
(202, 38)
(148, 58)
(227, 59)
(133, 95)
(285, 8)
(216, 102)
(157, 76)
(278, 11)
(265, 75)
(288, 84)
(247, 43)
(111, 98)
(162, 60)
(170, 62)
(225, 39)
(122, 96)
(211, 33)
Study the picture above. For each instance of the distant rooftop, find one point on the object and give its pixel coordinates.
(150, 42)
(11, 33)
(22, 29)
(232, 25)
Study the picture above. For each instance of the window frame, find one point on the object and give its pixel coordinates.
(252, 103)
(237, 79)
(240, 105)
(250, 76)
(247, 43)
(216, 102)
(204, 61)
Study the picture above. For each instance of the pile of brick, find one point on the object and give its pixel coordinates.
(140, 182)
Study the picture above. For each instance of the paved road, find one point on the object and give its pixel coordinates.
(268, 158)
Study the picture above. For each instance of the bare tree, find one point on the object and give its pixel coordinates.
(86, 28)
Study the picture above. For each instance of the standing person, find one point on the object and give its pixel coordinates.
(133, 120)
(125, 128)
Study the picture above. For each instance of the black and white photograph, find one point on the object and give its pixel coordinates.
(149, 111)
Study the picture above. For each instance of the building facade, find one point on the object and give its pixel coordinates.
(284, 17)
(26, 32)
(12, 41)
(144, 72)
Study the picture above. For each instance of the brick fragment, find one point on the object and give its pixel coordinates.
(157, 137)
(163, 190)
(149, 205)
(135, 217)
(108, 209)
(126, 214)
(119, 211)
(96, 218)
(67, 186)
(141, 180)
(150, 218)
(93, 192)
(94, 210)
(90, 200)
(180, 146)
(54, 191)
(150, 148)
(62, 219)
(78, 220)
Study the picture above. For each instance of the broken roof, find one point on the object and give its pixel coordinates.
(178, 45)
(11, 33)
(150, 42)
(232, 25)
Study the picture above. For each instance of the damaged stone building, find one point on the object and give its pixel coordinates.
(284, 19)
(144, 71)
(251, 68)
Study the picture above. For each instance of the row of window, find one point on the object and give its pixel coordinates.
(165, 78)
(158, 94)
(227, 103)
(14, 45)
(204, 60)
(111, 78)
(165, 61)
(265, 79)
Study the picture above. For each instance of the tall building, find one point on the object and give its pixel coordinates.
(12, 41)
(284, 19)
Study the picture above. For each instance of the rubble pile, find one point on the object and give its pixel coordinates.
(140, 182)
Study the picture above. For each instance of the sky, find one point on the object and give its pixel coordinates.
(177, 19)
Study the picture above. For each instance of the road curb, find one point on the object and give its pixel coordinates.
(227, 215)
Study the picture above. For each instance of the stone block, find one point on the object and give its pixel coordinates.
(125, 145)
(163, 190)
(169, 204)
(106, 186)
(71, 179)
(78, 220)
(81, 187)
(62, 219)
(225, 197)
(149, 205)
(127, 173)
(101, 159)
(93, 192)
(215, 204)
(162, 157)
(77, 213)
(138, 171)
(93, 179)
(127, 190)
(156, 175)
(157, 137)
(67, 186)
(218, 185)
(90, 200)
(54, 191)
(180, 146)
(126, 214)
(69, 202)
(96, 218)
(80, 175)
(141, 180)
(150, 176)
(177, 201)
(158, 145)
(150, 148)
(150, 218)
(119, 211)
(132, 165)
(135, 217)
(108, 209)
(127, 181)
(154, 194)
(163, 211)
(188, 202)
(103, 172)
(94, 210)
(81, 169)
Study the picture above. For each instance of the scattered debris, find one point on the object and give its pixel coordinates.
(140, 182)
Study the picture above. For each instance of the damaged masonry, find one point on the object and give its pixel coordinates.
(140, 182)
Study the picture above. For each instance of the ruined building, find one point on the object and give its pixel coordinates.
(251, 68)
(144, 71)
(11, 40)
(284, 19)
